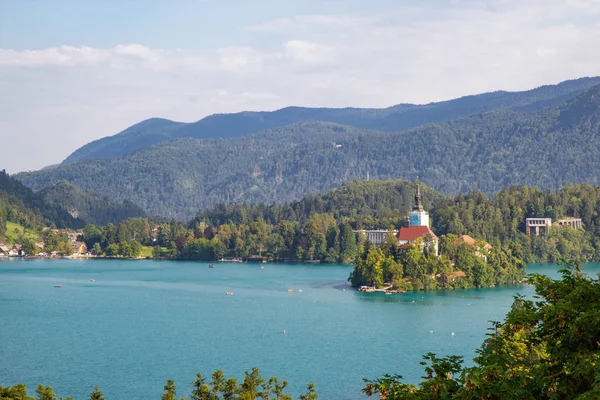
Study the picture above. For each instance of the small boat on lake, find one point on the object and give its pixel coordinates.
(211, 266)
(57, 286)
(91, 280)
(229, 293)
(290, 290)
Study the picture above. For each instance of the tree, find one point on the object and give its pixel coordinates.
(348, 248)
(96, 395)
(249, 388)
(112, 250)
(311, 393)
(16, 392)
(200, 390)
(45, 393)
(368, 269)
(96, 249)
(64, 248)
(217, 384)
(91, 235)
(170, 391)
(29, 247)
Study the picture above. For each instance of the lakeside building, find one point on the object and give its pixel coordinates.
(418, 230)
(482, 247)
(572, 222)
(539, 226)
(376, 236)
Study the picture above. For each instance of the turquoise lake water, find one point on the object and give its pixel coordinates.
(142, 322)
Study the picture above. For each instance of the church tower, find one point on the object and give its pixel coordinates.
(418, 216)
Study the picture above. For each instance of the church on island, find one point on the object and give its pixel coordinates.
(418, 227)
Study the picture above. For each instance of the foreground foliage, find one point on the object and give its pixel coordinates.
(547, 348)
(252, 387)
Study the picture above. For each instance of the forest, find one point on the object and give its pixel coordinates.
(61, 206)
(90, 207)
(21, 205)
(546, 348)
(326, 229)
(489, 151)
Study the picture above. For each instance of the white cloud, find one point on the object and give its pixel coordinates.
(307, 52)
(57, 99)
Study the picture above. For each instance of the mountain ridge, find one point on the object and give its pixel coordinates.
(399, 117)
(488, 151)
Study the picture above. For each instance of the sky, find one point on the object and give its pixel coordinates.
(74, 71)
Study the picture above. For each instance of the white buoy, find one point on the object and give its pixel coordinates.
(452, 333)
(284, 331)
(431, 331)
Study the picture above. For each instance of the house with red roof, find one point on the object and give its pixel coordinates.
(418, 230)
(423, 235)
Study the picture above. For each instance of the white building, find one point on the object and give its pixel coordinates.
(376, 236)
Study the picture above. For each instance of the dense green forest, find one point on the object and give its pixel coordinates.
(547, 148)
(395, 119)
(546, 348)
(90, 207)
(322, 229)
(60, 206)
(21, 205)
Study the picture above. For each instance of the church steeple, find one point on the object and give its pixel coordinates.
(418, 206)
(418, 216)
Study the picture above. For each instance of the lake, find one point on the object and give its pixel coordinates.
(142, 322)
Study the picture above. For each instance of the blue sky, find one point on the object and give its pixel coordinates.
(186, 24)
(72, 71)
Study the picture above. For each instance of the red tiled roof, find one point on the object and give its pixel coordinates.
(468, 240)
(415, 232)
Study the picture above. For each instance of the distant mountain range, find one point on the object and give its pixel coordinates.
(546, 137)
(393, 119)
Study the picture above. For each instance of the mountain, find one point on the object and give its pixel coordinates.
(547, 148)
(393, 119)
(21, 205)
(90, 207)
